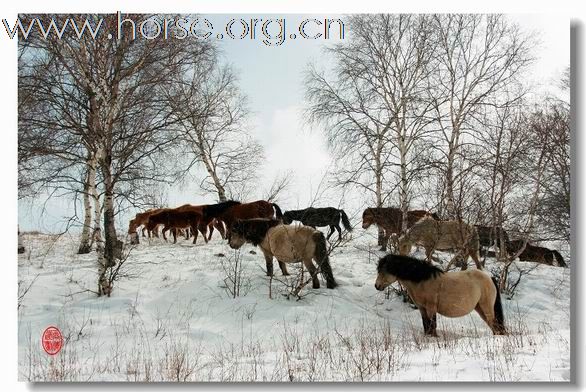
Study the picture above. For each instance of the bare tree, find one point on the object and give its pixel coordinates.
(373, 110)
(477, 56)
(211, 113)
(127, 122)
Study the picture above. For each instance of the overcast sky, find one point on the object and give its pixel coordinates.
(272, 79)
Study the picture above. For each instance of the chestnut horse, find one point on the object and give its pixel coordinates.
(390, 220)
(451, 294)
(141, 219)
(230, 211)
(175, 219)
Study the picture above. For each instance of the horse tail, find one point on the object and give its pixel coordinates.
(278, 212)
(323, 260)
(499, 317)
(345, 220)
(560, 259)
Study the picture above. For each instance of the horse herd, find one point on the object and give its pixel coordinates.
(263, 224)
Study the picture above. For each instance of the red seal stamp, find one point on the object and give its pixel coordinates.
(52, 340)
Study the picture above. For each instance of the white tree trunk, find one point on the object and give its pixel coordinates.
(85, 241)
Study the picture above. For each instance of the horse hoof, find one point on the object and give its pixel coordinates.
(286, 274)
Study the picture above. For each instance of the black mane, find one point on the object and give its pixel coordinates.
(408, 268)
(254, 230)
(215, 210)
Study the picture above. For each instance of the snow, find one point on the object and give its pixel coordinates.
(172, 318)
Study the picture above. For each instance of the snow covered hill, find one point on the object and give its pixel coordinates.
(173, 317)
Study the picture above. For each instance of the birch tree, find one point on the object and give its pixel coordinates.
(211, 115)
(128, 121)
(374, 108)
(477, 57)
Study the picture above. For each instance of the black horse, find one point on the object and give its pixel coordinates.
(320, 217)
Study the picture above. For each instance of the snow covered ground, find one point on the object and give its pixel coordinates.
(174, 318)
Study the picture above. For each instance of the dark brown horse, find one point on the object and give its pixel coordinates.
(230, 211)
(391, 220)
(174, 219)
(489, 236)
(536, 254)
(206, 223)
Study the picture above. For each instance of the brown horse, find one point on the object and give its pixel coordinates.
(175, 219)
(390, 220)
(206, 223)
(442, 235)
(141, 219)
(489, 236)
(451, 294)
(289, 244)
(536, 254)
(230, 211)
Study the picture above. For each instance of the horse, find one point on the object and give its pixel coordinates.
(442, 235)
(289, 244)
(230, 211)
(451, 294)
(140, 219)
(175, 219)
(390, 220)
(490, 235)
(319, 217)
(536, 254)
(206, 223)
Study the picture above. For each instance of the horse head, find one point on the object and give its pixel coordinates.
(236, 236)
(404, 245)
(367, 218)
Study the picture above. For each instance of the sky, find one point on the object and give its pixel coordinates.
(272, 79)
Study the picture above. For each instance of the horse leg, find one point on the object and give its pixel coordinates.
(428, 254)
(339, 232)
(313, 272)
(429, 322)
(174, 231)
(210, 227)
(165, 229)
(221, 229)
(330, 232)
(386, 237)
(143, 229)
(476, 259)
(194, 229)
(283, 267)
(269, 261)
(203, 230)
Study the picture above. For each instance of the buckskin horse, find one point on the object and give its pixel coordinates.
(451, 294)
(442, 235)
(320, 217)
(229, 211)
(289, 244)
(390, 220)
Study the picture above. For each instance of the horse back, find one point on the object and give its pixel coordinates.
(290, 242)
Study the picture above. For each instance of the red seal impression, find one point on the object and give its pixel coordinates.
(52, 340)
